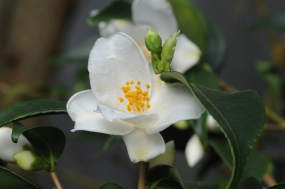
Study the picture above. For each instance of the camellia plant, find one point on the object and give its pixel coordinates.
(154, 68)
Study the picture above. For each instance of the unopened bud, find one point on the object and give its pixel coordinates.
(167, 52)
(28, 160)
(194, 151)
(153, 41)
(181, 124)
(167, 158)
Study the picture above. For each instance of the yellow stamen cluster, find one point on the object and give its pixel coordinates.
(137, 99)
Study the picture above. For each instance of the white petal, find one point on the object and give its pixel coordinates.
(156, 13)
(167, 158)
(173, 102)
(186, 54)
(82, 107)
(212, 124)
(113, 62)
(113, 26)
(142, 146)
(137, 120)
(9, 148)
(194, 151)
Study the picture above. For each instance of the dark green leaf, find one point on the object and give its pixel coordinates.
(47, 141)
(164, 175)
(200, 128)
(216, 51)
(10, 179)
(278, 186)
(78, 54)
(191, 22)
(249, 183)
(241, 116)
(257, 165)
(111, 186)
(274, 22)
(117, 9)
(201, 185)
(203, 75)
(31, 108)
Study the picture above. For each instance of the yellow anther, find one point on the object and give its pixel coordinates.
(127, 83)
(123, 88)
(137, 87)
(147, 86)
(145, 93)
(131, 82)
(121, 99)
(148, 106)
(139, 91)
(138, 82)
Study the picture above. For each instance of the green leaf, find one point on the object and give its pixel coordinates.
(191, 22)
(31, 108)
(240, 115)
(275, 22)
(249, 183)
(78, 54)
(203, 185)
(278, 186)
(10, 179)
(111, 186)
(203, 75)
(216, 51)
(48, 141)
(164, 175)
(117, 9)
(257, 165)
(200, 128)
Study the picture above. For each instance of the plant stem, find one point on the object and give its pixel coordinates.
(269, 180)
(55, 180)
(142, 173)
(272, 115)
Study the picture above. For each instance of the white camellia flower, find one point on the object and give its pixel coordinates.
(128, 99)
(7, 147)
(156, 15)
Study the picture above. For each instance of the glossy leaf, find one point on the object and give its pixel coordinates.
(275, 22)
(10, 179)
(249, 183)
(200, 128)
(257, 165)
(201, 185)
(216, 51)
(31, 108)
(117, 9)
(278, 186)
(240, 115)
(191, 22)
(203, 75)
(48, 141)
(78, 54)
(111, 186)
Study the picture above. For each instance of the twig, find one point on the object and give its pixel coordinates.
(55, 180)
(142, 173)
(269, 180)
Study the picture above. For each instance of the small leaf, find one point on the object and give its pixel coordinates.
(249, 183)
(164, 175)
(78, 54)
(117, 9)
(31, 108)
(191, 22)
(275, 22)
(48, 141)
(201, 185)
(10, 179)
(278, 186)
(240, 115)
(111, 186)
(216, 51)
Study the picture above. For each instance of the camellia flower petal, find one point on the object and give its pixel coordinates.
(156, 15)
(128, 99)
(194, 151)
(7, 147)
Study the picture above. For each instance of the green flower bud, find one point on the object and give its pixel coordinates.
(153, 41)
(167, 52)
(28, 160)
(182, 125)
(167, 158)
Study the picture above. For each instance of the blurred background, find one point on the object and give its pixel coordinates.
(35, 36)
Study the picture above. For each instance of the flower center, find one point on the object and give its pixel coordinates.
(135, 99)
(146, 53)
